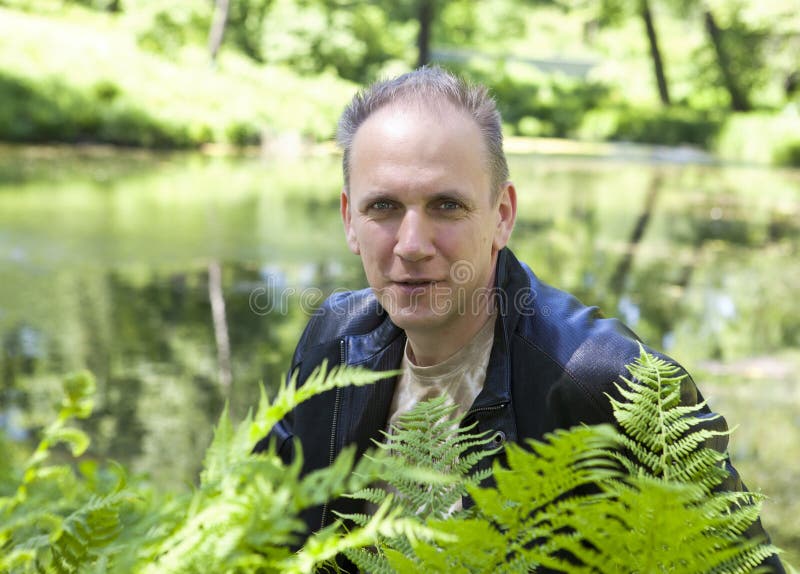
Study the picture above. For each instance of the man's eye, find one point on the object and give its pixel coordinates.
(449, 205)
(381, 205)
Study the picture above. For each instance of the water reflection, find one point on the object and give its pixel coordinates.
(104, 264)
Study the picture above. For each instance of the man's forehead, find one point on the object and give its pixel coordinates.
(438, 109)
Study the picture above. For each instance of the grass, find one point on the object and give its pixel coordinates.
(90, 81)
(762, 138)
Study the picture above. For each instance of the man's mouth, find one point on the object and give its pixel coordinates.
(412, 283)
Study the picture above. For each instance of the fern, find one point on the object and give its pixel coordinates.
(54, 522)
(93, 526)
(591, 499)
(245, 514)
(664, 526)
(663, 437)
(522, 522)
(290, 395)
(430, 467)
(564, 504)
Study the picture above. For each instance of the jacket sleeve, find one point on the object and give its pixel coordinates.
(282, 433)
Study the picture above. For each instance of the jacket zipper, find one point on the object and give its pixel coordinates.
(485, 409)
(332, 452)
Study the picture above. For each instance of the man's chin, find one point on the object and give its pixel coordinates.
(407, 319)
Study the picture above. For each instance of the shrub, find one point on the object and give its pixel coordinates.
(787, 154)
(759, 137)
(590, 499)
(664, 126)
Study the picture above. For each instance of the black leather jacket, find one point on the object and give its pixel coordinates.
(552, 363)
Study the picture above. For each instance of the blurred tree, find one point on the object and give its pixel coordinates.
(425, 15)
(215, 35)
(357, 40)
(114, 6)
(737, 47)
(655, 52)
(245, 24)
(614, 13)
(739, 100)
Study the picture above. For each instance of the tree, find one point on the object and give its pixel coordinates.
(613, 13)
(215, 35)
(737, 49)
(425, 15)
(655, 51)
(739, 99)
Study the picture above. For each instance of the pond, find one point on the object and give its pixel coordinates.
(118, 262)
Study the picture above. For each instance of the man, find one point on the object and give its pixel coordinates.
(428, 206)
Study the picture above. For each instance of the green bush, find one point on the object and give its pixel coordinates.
(759, 137)
(534, 103)
(591, 499)
(788, 154)
(664, 126)
(117, 93)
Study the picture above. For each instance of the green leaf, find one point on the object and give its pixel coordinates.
(77, 440)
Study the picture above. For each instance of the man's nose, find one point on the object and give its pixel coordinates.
(414, 240)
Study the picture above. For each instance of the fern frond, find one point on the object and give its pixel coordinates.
(428, 462)
(270, 412)
(664, 437)
(93, 526)
(385, 523)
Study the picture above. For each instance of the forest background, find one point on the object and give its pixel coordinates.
(165, 162)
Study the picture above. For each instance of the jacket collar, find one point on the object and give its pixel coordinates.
(511, 281)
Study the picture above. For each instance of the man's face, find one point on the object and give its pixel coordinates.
(421, 214)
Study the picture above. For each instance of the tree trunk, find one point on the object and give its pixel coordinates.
(739, 101)
(655, 51)
(425, 18)
(218, 28)
(220, 325)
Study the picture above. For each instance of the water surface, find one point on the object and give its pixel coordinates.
(105, 258)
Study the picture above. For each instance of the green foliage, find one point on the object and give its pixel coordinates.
(589, 499)
(118, 93)
(242, 517)
(537, 104)
(759, 137)
(53, 521)
(787, 154)
(567, 505)
(667, 126)
(441, 457)
(358, 41)
(663, 438)
(743, 45)
(167, 29)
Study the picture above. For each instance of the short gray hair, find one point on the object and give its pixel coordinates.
(428, 84)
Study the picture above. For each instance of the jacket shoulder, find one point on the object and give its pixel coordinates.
(342, 314)
(592, 351)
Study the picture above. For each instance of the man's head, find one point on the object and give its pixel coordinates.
(422, 205)
(428, 86)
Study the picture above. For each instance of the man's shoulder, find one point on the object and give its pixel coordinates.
(589, 348)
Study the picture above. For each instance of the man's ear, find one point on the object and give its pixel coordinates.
(506, 215)
(349, 232)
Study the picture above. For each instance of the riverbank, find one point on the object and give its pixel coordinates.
(92, 83)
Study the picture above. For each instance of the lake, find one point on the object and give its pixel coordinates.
(118, 262)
